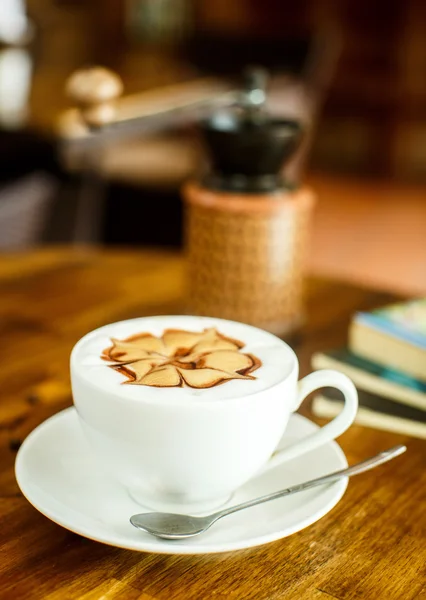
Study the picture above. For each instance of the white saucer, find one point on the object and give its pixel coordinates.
(58, 474)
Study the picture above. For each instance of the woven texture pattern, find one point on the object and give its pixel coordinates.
(246, 261)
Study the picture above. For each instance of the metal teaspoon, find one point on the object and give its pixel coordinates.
(171, 526)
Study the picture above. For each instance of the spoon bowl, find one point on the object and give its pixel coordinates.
(171, 526)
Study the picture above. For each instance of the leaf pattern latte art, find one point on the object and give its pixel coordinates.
(180, 358)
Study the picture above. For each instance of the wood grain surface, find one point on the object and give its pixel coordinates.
(371, 546)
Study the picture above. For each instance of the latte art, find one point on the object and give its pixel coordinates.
(180, 358)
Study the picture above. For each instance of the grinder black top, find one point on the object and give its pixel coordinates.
(248, 147)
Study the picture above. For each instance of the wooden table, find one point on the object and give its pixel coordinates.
(371, 545)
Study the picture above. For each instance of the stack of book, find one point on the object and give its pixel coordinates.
(386, 359)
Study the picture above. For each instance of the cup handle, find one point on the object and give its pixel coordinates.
(310, 383)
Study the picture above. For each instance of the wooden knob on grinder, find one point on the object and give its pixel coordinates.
(94, 91)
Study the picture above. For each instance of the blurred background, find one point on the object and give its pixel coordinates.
(354, 71)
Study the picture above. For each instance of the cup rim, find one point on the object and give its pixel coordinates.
(183, 400)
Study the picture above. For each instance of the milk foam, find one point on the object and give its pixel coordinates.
(277, 359)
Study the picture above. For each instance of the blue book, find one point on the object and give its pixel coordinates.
(393, 336)
(405, 321)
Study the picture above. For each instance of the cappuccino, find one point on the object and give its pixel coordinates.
(164, 357)
(183, 410)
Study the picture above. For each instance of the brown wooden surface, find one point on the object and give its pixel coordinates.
(371, 546)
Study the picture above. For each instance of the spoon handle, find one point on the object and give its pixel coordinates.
(360, 467)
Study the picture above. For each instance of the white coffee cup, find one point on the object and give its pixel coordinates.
(186, 449)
